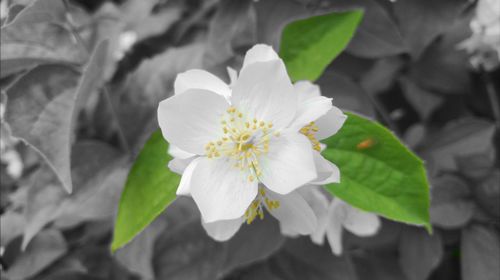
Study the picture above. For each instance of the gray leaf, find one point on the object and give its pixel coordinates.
(301, 259)
(480, 247)
(47, 247)
(230, 20)
(187, 252)
(451, 203)
(137, 255)
(423, 101)
(420, 253)
(377, 35)
(423, 20)
(93, 199)
(42, 106)
(463, 137)
(37, 35)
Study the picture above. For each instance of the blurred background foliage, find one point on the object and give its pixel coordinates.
(405, 67)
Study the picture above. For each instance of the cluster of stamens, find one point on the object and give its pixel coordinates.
(243, 142)
(256, 208)
(309, 131)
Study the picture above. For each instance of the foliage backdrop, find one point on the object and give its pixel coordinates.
(81, 81)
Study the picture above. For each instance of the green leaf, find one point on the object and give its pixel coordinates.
(378, 173)
(309, 45)
(149, 189)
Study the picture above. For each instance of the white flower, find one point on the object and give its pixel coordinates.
(246, 147)
(4, 10)
(336, 215)
(484, 44)
(125, 42)
(8, 153)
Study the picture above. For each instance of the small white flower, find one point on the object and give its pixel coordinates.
(4, 10)
(8, 153)
(484, 44)
(125, 42)
(246, 147)
(336, 215)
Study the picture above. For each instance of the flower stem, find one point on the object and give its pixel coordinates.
(492, 95)
(386, 118)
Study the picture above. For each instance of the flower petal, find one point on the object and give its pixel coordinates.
(327, 171)
(334, 226)
(311, 105)
(330, 123)
(259, 53)
(178, 165)
(221, 191)
(306, 90)
(192, 119)
(200, 79)
(311, 110)
(264, 91)
(289, 163)
(360, 222)
(233, 75)
(185, 183)
(177, 152)
(223, 230)
(319, 204)
(294, 214)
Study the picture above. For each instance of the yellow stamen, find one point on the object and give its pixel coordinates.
(309, 131)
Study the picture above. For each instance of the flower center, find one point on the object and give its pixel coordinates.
(244, 141)
(256, 209)
(309, 131)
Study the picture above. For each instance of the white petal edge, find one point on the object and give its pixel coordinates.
(200, 79)
(223, 230)
(178, 165)
(294, 214)
(334, 226)
(177, 152)
(327, 171)
(289, 164)
(192, 119)
(311, 105)
(259, 53)
(330, 123)
(311, 110)
(319, 204)
(306, 90)
(361, 223)
(221, 191)
(233, 75)
(185, 183)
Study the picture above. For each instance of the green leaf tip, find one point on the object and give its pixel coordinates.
(149, 189)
